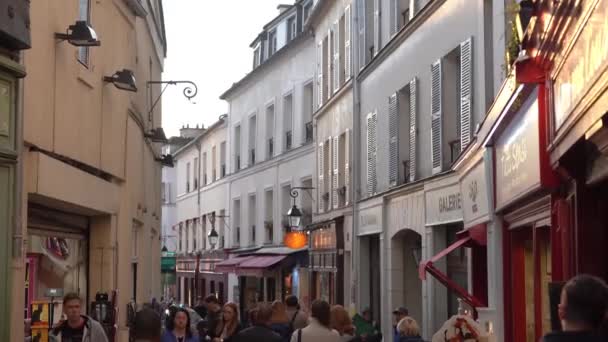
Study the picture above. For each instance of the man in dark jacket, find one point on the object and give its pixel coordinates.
(583, 309)
(214, 314)
(260, 331)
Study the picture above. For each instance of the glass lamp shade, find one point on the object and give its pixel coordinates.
(295, 218)
(213, 237)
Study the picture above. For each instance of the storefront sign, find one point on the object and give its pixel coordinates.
(517, 155)
(587, 57)
(370, 221)
(444, 205)
(475, 198)
(324, 238)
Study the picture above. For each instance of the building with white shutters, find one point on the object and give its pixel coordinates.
(201, 193)
(331, 231)
(270, 149)
(425, 79)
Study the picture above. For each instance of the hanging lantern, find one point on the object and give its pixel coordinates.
(295, 239)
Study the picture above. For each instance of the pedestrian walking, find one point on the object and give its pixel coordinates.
(298, 319)
(77, 327)
(366, 327)
(398, 314)
(260, 331)
(343, 324)
(279, 322)
(229, 325)
(178, 329)
(214, 314)
(146, 326)
(408, 330)
(201, 308)
(318, 329)
(583, 311)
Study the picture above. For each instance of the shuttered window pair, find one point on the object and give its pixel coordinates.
(333, 161)
(465, 105)
(394, 135)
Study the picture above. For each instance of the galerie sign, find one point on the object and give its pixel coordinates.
(475, 198)
(517, 155)
(443, 205)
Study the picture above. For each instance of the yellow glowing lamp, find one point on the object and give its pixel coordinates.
(295, 239)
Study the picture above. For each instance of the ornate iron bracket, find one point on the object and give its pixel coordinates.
(189, 91)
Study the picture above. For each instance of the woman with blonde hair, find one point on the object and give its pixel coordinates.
(279, 322)
(229, 324)
(340, 321)
(409, 331)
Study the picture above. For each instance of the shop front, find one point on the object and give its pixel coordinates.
(208, 280)
(579, 142)
(523, 180)
(371, 243)
(326, 261)
(448, 260)
(168, 276)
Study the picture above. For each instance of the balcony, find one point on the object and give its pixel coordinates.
(223, 170)
(270, 148)
(308, 132)
(288, 140)
(252, 156)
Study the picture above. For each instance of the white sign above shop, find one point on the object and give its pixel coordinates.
(475, 204)
(443, 205)
(370, 221)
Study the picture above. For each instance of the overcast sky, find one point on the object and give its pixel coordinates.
(208, 43)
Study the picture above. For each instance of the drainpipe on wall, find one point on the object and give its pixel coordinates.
(355, 157)
(17, 248)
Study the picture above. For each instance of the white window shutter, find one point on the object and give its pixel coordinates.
(413, 130)
(347, 39)
(336, 42)
(436, 112)
(336, 172)
(320, 74)
(377, 37)
(394, 16)
(393, 146)
(371, 154)
(466, 92)
(330, 63)
(321, 169)
(347, 166)
(361, 43)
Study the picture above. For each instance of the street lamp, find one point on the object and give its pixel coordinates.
(294, 215)
(123, 80)
(213, 236)
(80, 34)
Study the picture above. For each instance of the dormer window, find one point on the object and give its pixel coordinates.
(256, 56)
(307, 8)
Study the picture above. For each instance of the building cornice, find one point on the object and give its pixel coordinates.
(345, 89)
(274, 162)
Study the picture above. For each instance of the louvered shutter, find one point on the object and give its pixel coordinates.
(361, 42)
(347, 39)
(371, 154)
(320, 74)
(393, 146)
(347, 166)
(321, 169)
(466, 92)
(336, 56)
(394, 16)
(336, 174)
(436, 131)
(413, 130)
(377, 37)
(330, 63)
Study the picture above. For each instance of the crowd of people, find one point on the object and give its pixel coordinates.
(583, 312)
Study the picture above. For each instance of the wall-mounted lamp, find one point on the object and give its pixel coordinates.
(123, 79)
(80, 34)
(165, 160)
(157, 135)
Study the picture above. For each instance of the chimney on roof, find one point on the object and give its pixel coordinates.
(283, 7)
(187, 132)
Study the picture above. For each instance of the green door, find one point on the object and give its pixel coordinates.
(8, 159)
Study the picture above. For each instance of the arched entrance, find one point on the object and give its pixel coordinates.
(406, 253)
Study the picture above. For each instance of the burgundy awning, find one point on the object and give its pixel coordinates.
(230, 265)
(471, 236)
(258, 264)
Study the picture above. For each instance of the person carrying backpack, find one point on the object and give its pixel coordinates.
(298, 319)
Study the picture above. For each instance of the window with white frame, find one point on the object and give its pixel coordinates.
(205, 178)
(272, 42)
(237, 148)
(292, 29)
(252, 139)
(187, 177)
(270, 141)
(288, 122)
(214, 163)
(306, 10)
(195, 175)
(402, 134)
(252, 210)
(236, 223)
(223, 159)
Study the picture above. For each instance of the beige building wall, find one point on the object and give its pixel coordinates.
(85, 150)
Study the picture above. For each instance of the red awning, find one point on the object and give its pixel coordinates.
(469, 237)
(230, 265)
